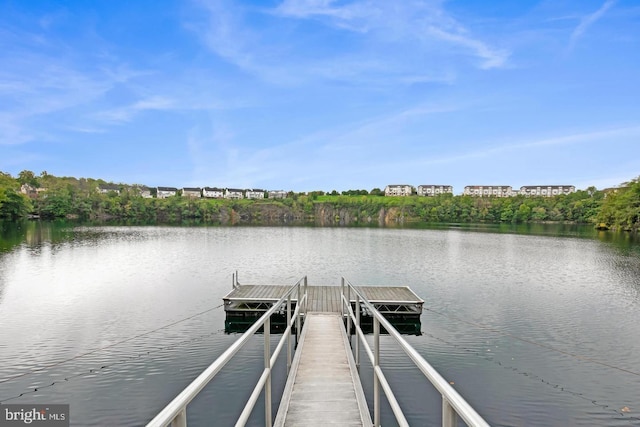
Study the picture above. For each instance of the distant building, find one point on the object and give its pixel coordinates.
(254, 194)
(277, 194)
(488, 190)
(433, 190)
(191, 192)
(142, 191)
(29, 190)
(398, 190)
(233, 193)
(610, 190)
(106, 188)
(164, 192)
(546, 190)
(213, 193)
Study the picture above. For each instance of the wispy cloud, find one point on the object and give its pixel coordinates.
(587, 21)
(128, 112)
(382, 42)
(36, 84)
(398, 21)
(570, 139)
(491, 57)
(334, 155)
(225, 33)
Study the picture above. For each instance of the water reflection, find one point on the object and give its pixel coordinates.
(33, 234)
(490, 299)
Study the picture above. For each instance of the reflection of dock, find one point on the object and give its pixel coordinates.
(246, 303)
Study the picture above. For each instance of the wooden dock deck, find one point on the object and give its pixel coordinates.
(324, 299)
(246, 303)
(323, 387)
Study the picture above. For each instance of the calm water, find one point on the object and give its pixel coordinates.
(534, 330)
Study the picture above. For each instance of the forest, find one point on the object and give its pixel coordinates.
(79, 198)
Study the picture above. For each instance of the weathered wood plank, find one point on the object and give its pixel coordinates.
(323, 387)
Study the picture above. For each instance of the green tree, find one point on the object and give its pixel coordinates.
(28, 177)
(621, 208)
(506, 214)
(13, 204)
(539, 213)
(523, 214)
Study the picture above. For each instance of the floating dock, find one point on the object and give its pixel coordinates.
(323, 383)
(246, 303)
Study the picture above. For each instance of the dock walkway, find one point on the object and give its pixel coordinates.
(323, 387)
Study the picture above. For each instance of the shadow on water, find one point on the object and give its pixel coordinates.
(536, 229)
(627, 243)
(34, 233)
(12, 234)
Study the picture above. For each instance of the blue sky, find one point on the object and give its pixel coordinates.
(319, 95)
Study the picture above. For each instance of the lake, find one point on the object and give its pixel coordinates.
(535, 326)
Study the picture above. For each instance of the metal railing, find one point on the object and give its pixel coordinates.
(453, 405)
(175, 413)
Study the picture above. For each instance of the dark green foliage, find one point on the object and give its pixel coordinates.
(621, 207)
(67, 197)
(13, 204)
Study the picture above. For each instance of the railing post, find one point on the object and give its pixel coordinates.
(306, 300)
(376, 363)
(267, 365)
(449, 416)
(181, 419)
(357, 326)
(299, 303)
(290, 332)
(342, 295)
(348, 315)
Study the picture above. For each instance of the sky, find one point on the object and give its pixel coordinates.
(308, 95)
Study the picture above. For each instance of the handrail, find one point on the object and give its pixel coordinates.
(452, 402)
(175, 413)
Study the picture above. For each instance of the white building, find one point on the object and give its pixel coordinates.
(254, 194)
(192, 192)
(433, 190)
(106, 188)
(546, 190)
(398, 190)
(142, 191)
(277, 194)
(233, 193)
(488, 190)
(213, 193)
(164, 192)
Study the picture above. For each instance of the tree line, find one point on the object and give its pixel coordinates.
(79, 198)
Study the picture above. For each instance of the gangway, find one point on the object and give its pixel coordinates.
(324, 369)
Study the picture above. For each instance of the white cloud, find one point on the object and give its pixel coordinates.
(405, 21)
(127, 113)
(577, 138)
(491, 57)
(588, 20)
(383, 43)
